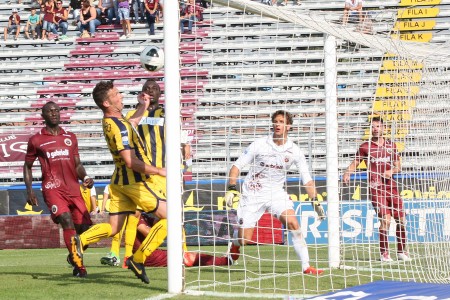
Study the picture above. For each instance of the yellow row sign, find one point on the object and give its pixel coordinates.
(389, 105)
(401, 77)
(401, 64)
(397, 91)
(419, 2)
(415, 25)
(410, 13)
(414, 37)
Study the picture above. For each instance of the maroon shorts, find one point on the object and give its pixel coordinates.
(387, 201)
(59, 202)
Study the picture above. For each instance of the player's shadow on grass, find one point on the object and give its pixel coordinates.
(66, 278)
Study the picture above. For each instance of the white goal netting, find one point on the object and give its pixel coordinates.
(260, 58)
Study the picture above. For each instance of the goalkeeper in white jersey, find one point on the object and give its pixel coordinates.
(263, 188)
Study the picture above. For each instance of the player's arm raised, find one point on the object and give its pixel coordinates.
(141, 107)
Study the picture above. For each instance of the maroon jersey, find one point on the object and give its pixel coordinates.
(56, 156)
(379, 159)
(151, 3)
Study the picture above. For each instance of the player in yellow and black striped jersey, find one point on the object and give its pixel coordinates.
(151, 129)
(130, 184)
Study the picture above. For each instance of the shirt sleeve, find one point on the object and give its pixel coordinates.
(302, 166)
(31, 152)
(247, 156)
(93, 192)
(106, 190)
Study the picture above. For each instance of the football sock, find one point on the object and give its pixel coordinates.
(96, 233)
(130, 234)
(401, 237)
(153, 240)
(236, 238)
(383, 241)
(116, 239)
(67, 234)
(184, 240)
(210, 260)
(300, 247)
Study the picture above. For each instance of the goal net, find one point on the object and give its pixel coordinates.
(260, 58)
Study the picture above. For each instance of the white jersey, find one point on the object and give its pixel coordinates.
(268, 166)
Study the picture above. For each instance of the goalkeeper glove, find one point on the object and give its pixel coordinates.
(229, 196)
(318, 208)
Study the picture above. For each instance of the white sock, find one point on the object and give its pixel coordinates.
(236, 238)
(300, 247)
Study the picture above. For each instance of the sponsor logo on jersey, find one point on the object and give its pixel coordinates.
(54, 209)
(286, 159)
(52, 184)
(272, 166)
(68, 142)
(152, 121)
(376, 160)
(58, 153)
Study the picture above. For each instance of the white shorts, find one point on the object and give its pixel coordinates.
(251, 209)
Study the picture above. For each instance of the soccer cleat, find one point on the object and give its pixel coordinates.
(312, 271)
(110, 259)
(234, 251)
(189, 258)
(403, 256)
(138, 269)
(79, 272)
(70, 260)
(124, 266)
(77, 251)
(385, 257)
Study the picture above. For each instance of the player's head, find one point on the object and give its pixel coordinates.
(152, 89)
(50, 113)
(106, 96)
(281, 121)
(377, 125)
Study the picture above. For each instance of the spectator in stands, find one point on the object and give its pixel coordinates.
(106, 8)
(138, 6)
(48, 18)
(352, 6)
(88, 19)
(188, 15)
(32, 23)
(151, 10)
(13, 24)
(60, 20)
(75, 6)
(124, 15)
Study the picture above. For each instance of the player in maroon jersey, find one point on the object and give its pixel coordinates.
(383, 161)
(159, 257)
(57, 151)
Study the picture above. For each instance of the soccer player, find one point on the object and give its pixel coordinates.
(57, 151)
(383, 161)
(159, 257)
(131, 183)
(263, 189)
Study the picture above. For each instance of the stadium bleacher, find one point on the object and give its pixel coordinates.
(216, 77)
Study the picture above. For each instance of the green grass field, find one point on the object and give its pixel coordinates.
(45, 274)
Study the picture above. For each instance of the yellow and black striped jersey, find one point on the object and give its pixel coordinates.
(152, 130)
(120, 135)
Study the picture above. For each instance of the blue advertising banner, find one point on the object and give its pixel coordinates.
(390, 290)
(427, 220)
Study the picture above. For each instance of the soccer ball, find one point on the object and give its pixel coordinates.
(152, 58)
